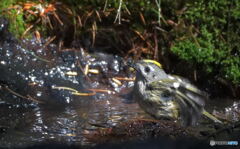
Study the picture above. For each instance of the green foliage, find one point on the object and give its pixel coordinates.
(6, 4)
(200, 50)
(208, 37)
(231, 68)
(17, 25)
(216, 46)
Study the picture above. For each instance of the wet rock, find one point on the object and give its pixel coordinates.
(34, 72)
(31, 70)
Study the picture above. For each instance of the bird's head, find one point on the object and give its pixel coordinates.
(149, 71)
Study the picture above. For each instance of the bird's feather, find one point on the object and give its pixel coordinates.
(190, 99)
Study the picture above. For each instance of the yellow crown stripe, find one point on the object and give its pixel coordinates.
(153, 61)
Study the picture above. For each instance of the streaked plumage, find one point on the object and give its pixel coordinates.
(167, 96)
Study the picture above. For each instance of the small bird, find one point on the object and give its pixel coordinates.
(168, 96)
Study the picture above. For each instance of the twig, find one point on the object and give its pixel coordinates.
(79, 21)
(194, 38)
(118, 16)
(125, 6)
(64, 88)
(94, 31)
(88, 15)
(15, 93)
(118, 82)
(58, 19)
(105, 5)
(37, 36)
(49, 41)
(161, 29)
(60, 44)
(81, 68)
(84, 94)
(158, 2)
(98, 15)
(33, 99)
(125, 79)
(142, 18)
(49, 22)
(93, 71)
(73, 91)
(21, 96)
(86, 70)
(28, 29)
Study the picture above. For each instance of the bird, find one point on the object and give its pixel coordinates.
(166, 96)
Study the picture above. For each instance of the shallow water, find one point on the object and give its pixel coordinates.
(44, 123)
(26, 126)
(58, 116)
(63, 117)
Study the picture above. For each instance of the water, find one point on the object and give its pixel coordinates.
(59, 116)
(56, 115)
(65, 124)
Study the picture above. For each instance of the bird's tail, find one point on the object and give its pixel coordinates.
(210, 116)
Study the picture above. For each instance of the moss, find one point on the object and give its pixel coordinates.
(6, 4)
(231, 69)
(216, 46)
(17, 25)
(208, 38)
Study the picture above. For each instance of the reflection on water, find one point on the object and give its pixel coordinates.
(44, 123)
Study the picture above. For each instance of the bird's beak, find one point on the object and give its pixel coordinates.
(132, 65)
(135, 66)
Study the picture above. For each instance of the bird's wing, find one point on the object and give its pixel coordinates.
(189, 98)
(186, 93)
(186, 88)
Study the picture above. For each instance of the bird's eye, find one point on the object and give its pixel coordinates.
(147, 69)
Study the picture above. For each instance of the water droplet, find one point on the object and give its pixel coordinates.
(3, 62)
(67, 99)
(39, 93)
(73, 66)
